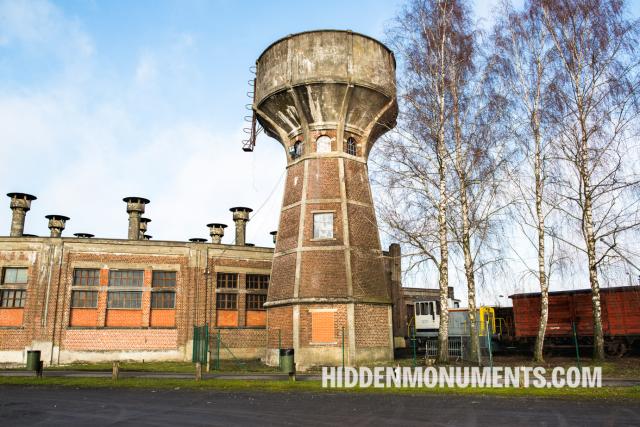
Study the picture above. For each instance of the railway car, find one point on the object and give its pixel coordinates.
(620, 318)
(427, 320)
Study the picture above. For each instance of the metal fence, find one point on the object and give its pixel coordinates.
(456, 347)
(460, 349)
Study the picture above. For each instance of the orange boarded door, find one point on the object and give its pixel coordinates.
(323, 327)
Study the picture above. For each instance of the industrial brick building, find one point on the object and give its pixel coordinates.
(327, 290)
(91, 299)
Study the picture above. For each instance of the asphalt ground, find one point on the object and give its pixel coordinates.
(53, 406)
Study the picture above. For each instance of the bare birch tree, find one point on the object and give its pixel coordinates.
(523, 61)
(596, 103)
(425, 36)
(478, 159)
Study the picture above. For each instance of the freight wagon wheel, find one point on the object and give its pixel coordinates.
(620, 349)
(617, 348)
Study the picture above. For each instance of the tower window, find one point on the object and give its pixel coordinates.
(351, 147)
(323, 144)
(296, 150)
(323, 225)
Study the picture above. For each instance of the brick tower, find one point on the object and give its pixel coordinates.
(326, 96)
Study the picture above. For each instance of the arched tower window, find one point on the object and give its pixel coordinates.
(351, 146)
(323, 144)
(296, 150)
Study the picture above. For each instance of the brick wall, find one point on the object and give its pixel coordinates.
(370, 321)
(107, 329)
(242, 338)
(280, 326)
(121, 339)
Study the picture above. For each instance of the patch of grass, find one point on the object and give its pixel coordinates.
(316, 386)
(626, 367)
(244, 366)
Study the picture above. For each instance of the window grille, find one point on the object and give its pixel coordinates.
(84, 299)
(126, 278)
(226, 301)
(227, 280)
(257, 281)
(124, 299)
(86, 277)
(256, 301)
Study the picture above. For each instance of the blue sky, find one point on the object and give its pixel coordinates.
(105, 99)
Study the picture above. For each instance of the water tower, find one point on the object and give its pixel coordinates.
(326, 96)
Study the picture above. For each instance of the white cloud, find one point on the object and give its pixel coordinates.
(38, 24)
(83, 141)
(146, 70)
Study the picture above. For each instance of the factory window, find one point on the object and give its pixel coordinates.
(256, 301)
(226, 301)
(323, 327)
(227, 280)
(86, 277)
(84, 299)
(351, 147)
(164, 279)
(257, 281)
(12, 298)
(323, 225)
(121, 299)
(323, 144)
(163, 299)
(126, 278)
(14, 276)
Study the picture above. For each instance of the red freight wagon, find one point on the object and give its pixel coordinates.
(620, 316)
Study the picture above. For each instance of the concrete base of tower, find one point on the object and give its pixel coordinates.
(331, 334)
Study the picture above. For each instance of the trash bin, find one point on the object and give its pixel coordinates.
(33, 360)
(286, 360)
